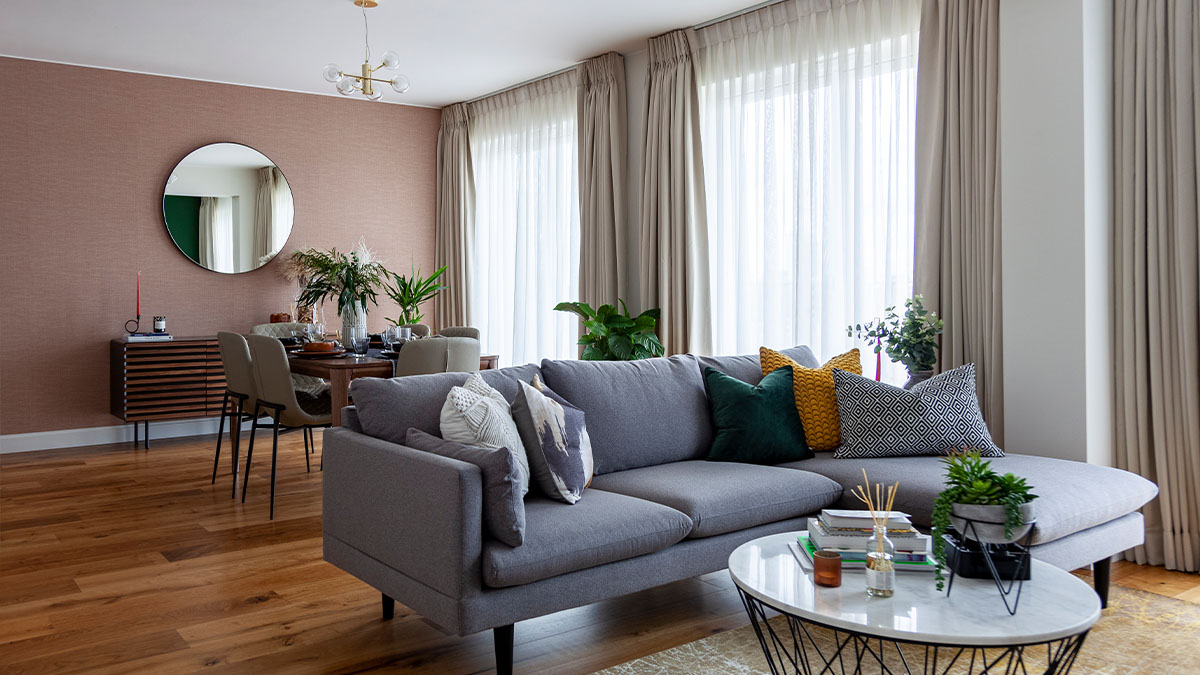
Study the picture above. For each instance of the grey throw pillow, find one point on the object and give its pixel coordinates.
(935, 417)
(503, 508)
(556, 441)
(477, 414)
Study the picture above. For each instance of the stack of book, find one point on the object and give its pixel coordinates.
(847, 532)
(150, 337)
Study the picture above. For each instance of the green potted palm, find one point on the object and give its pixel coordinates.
(999, 507)
(410, 292)
(614, 334)
(353, 279)
(911, 339)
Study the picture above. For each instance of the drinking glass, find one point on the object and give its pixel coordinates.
(360, 343)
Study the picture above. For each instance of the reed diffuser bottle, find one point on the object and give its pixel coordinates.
(881, 567)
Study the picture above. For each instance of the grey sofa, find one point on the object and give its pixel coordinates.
(409, 523)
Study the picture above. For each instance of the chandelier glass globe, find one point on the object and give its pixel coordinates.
(391, 60)
(345, 85)
(399, 84)
(331, 72)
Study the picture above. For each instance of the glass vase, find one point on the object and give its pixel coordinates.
(881, 566)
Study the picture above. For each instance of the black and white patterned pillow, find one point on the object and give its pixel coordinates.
(935, 417)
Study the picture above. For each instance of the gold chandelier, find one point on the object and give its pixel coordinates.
(348, 83)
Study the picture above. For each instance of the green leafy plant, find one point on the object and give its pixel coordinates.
(351, 278)
(911, 339)
(411, 292)
(615, 335)
(970, 479)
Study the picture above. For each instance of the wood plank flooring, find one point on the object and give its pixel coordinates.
(122, 560)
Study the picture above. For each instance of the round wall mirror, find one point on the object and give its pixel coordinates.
(228, 207)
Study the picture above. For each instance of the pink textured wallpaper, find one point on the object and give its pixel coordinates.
(84, 154)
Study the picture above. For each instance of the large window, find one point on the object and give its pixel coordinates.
(525, 253)
(808, 128)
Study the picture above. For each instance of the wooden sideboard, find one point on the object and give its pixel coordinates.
(157, 381)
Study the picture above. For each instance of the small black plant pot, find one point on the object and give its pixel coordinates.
(966, 558)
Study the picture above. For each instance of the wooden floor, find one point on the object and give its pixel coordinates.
(117, 560)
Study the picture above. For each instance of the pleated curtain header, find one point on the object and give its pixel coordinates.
(525, 93)
(772, 16)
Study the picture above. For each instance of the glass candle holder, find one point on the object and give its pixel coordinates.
(827, 568)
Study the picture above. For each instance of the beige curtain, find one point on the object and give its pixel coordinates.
(602, 148)
(957, 264)
(455, 226)
(1156, 259)
(272, 214)
(674, 251)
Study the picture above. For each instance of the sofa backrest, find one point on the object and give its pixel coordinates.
(746, 367)
(639, 413)
(386, 408)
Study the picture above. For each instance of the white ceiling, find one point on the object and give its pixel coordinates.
(451, 50)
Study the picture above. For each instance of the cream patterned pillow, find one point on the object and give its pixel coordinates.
(476, 414)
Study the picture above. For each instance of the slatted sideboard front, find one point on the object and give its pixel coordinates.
(154, 381)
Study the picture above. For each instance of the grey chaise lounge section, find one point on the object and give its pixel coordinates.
(409, 523)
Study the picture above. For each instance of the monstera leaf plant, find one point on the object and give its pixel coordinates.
(614, 334)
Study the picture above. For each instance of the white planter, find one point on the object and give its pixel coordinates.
(988, 522)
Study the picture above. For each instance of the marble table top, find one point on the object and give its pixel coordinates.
(1054, 604)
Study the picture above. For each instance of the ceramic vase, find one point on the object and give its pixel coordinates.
(987, 522)
(917, 377)
(354, 322)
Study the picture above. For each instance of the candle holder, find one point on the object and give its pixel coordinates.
(137, 323)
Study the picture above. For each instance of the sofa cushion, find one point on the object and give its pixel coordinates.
(747, 367)
(720, 497)
(755, 424)
(1073, 496)
(388, 407)
(560, 538)
(639, 413)
(477, 414)
(815, 398)
(556, 441)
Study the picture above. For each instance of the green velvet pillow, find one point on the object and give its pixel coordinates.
(755, 425)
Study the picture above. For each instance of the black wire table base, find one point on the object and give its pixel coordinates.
(794, 645)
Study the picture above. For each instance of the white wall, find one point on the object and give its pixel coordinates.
(195, 181)
(1056, 152)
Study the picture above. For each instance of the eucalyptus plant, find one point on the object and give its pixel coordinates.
(970, 479)
(910, 339)
(353, 279)
(615, 335)
(411, 292)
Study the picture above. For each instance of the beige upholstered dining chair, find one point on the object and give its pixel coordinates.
(306, 383)
(460, 331)
(239, 386)
(278, 399)
(418, 329)
(438, 355)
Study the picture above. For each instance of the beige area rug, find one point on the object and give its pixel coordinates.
(1140, 632)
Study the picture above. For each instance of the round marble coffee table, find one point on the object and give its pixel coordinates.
(919, 629)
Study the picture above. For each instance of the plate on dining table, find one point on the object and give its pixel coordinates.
(320, 355)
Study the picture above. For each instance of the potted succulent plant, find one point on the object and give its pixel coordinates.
(999, 507)
(615, 335)
(353, 279)
(910, 339)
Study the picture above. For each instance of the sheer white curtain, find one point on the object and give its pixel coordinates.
(273, 210)
(526, 246)
(216, 233)
(807, 113)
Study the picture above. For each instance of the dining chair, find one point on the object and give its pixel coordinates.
(460, 331)
(278, 399)
(438, 355)
(418, 329)
(241, 388)
(306, 383)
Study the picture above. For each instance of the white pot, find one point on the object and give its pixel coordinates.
(987, 525)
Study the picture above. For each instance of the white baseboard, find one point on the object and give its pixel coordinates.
(120, 433)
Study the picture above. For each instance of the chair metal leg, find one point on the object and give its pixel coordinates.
(274, 460)
(137, 427)
(235, 442)
(250, 449)
(220, 433)
(307, 467)
(146, 438)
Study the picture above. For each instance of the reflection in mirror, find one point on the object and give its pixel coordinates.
(228, 207)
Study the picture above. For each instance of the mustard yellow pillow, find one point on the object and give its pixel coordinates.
(815, 399)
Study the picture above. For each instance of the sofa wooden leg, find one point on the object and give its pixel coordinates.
(1101, 570)
(503, 635)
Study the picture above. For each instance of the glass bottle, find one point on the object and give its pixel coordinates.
(881, 568)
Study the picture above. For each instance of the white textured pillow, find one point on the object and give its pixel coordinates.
(476, 414)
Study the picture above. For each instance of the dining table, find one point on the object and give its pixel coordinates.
(340, 370)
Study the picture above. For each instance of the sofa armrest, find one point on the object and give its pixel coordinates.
(416, 512)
